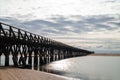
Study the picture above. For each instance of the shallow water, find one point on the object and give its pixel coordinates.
(88, 67)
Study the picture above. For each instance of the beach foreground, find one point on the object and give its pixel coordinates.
(26, 74)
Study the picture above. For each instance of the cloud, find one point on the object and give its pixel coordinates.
(63, 25)
(70, 30)
(40, 8)
(112, 1)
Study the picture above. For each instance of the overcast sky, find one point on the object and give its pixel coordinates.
(87, 24)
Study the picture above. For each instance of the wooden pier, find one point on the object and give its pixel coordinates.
(15, 41)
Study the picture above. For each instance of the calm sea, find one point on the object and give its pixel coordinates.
(86, 68)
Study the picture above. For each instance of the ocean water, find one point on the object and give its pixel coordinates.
(87, 68)
(84, 68)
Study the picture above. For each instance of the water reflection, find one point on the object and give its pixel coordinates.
(88, 68)
(59, 65)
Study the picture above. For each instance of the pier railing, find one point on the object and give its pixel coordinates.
(17, 41)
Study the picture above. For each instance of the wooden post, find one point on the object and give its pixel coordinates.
(6, 60)
(0, 59)
(35, 59)
(15, 60)
(30, 58)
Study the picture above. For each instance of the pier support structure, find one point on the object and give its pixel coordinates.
(23, 45)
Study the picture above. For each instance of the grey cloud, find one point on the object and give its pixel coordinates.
(58, 24)
(47, 26)
(83, 24)
(115, 23)
(95, 22)
(98, 19)
(103, 26)
(11, 21)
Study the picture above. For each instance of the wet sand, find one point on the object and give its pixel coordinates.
(26, 74)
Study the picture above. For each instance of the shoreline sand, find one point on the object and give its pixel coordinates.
(8, 73)
(104, 54)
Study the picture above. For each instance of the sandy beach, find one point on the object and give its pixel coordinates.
(26, 74)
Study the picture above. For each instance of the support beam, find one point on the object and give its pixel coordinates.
(30, 58)
(15, 40)
(15, 60)
(6, 60)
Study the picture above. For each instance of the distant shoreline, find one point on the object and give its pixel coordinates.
(104, 54)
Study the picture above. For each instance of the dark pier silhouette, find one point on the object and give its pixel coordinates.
(18, 42)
